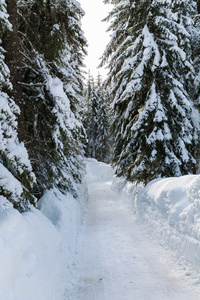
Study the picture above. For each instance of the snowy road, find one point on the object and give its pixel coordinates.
(116, 261)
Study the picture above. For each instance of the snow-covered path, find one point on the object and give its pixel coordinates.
(116, 261)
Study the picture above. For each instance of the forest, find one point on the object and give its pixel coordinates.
(143, 119)
(92, 170)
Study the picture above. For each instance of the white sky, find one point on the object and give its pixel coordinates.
(95, 33)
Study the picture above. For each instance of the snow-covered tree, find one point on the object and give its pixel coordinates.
(196, 59)
(104, 141)
(152, 76)
(196, 53)
(52, 45)
(16, 180)
(97, 121)
(91, 118)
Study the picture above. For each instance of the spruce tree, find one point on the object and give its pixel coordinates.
(103, 142)
(17, 179)
(91, 119)
(97, 121)
(152, 76)
(52, 46)
(196, 59)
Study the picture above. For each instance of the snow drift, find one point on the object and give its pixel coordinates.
(169, 209)
(37, 248)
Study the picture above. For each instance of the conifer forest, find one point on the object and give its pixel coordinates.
(143, 119)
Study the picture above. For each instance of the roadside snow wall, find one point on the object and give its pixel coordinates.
(169, 209)
(37, 248)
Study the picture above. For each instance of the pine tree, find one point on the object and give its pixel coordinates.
(196, 53)
(152, 76)
(53, 44)
(104, 142)
(196, 59)
(91, 119)
(17, 179)
(97, 121)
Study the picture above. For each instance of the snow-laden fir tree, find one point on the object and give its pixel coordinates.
(52, 45)
(196, 53)
(104, 141)
(16, 178)
(152, 76)
(91, 118)
(96, 121)
(196, 59)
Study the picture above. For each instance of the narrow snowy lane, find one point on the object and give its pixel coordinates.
(116, 261)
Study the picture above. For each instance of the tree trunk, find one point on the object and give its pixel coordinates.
(13, 61)
(198, 6)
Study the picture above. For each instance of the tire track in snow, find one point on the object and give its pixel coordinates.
(91, 282)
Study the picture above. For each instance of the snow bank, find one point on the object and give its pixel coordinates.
(169, 210)
(37, 248)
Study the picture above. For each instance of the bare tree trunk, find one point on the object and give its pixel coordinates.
(13, 61)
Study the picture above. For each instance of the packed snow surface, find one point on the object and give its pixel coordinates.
(116, 259)
(135, 243)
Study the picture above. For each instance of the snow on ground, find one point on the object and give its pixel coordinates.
(169, 212)
(37, 248)
(116, 260)
(118, 252)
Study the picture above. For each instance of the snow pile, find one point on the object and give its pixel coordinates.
(37, 248)
(169, 210)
